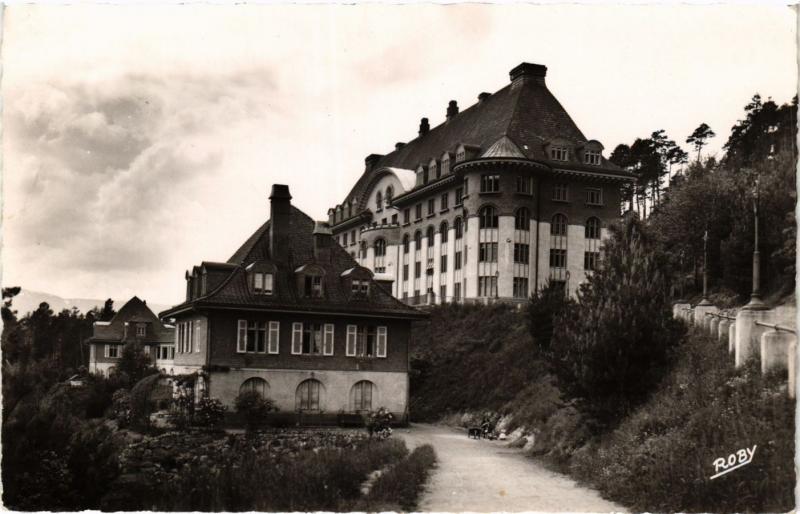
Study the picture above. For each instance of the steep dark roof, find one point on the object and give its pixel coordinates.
(134, 311)
(526, 112)
(235, 291)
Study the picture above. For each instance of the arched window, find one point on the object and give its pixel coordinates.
(405, 243)
(379, 200)
(307, 395)
(487, 216)
(417, 240)
(593, 228)
(443, 232)
(362, 249)
(522, 219)
(458, 227)
(558, 227)
(429, 234)
(259, 385)
(380, 247)
(389, 195)
(361, 396)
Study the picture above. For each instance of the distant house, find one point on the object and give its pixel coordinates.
(292, 316)
(133, 322)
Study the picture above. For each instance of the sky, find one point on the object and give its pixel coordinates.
(141, 140)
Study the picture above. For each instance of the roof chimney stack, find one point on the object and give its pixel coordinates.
(424, 127)
(323, 240)
(526, 72)
(483, 96)
(280, 211)
(399, 145)
(371, 160)
(452, 109)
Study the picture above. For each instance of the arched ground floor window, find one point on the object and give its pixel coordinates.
(307, 397)
(256, 384)
(361, 395)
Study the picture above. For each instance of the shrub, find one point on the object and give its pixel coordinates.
(209, 412)
(254, 408)
(121, 408)
(377, 422)
(403, 483)
(613, 347)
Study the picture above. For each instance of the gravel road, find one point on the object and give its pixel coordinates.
(479, 475)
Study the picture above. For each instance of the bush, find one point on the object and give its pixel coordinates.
(121, 408)
(403, 483)
(378, 422)
(613, 347)
(254, 408)
(209, 412)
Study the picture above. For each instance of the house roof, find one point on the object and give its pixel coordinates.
(524, 113)
(234, 290)
(134, 311)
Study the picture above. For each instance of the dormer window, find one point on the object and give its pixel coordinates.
(461, 154)
(263, 283)
(559, 153)
(591, 157)
(360, 288)
(434, 170)
(313, 286)
(446, 164)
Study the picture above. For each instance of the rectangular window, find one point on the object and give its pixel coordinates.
(141, 330)
(443, 264)
(457, 290)
(443, 293)
(558, 258)
(520, 287)
(591, 157)
(560, 192)
(256, 337)
(274, 337)
(457, 263)
(344, 239)
(487, 286)
(594, 196)
(559, 153)
(459, 196)
(360, 288)
(313, 286)
(525, 185)
(262, 283)
(407, 215)
(490, 183)
(591, 260)
(366, 342)
(417, 269)
(521, 253)
(466, 187)
(443, 201)
(418, 212)
(112, 351)
(487, 252)
(431, 207)
(405, 271)
(311, 338)
(394, 219)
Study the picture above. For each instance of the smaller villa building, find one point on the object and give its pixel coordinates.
(293, 316)
(134, 322)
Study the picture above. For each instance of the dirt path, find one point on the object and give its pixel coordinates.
(484, 476)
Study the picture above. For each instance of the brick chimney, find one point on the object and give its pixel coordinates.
(527, 72)
(280, 211)
(371, 160)
(323, 241)
(424, 127)
(452, 109)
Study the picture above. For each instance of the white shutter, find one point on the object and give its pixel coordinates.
(327, 346)
(350, 350)
(196, 338)
(241, 338)
(106, 350)
(381, 342)
(297, 338)
(274, 337)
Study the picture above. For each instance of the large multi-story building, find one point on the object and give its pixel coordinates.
(490, 204)
(292, 316)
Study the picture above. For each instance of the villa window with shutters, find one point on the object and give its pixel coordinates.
(310, 338)
(258, 336)
(366, 341)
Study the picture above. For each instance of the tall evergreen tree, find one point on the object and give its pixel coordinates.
(699, 138)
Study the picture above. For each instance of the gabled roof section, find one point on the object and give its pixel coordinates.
(134, 311)
(503, 148)
(235, 292)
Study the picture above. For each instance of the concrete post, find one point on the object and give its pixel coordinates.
(748, 334)
(713, 325)
(775, 349)
(722, 330)
(700, 318)
(732, 337)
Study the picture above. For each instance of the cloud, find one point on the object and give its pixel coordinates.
(98, 175)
